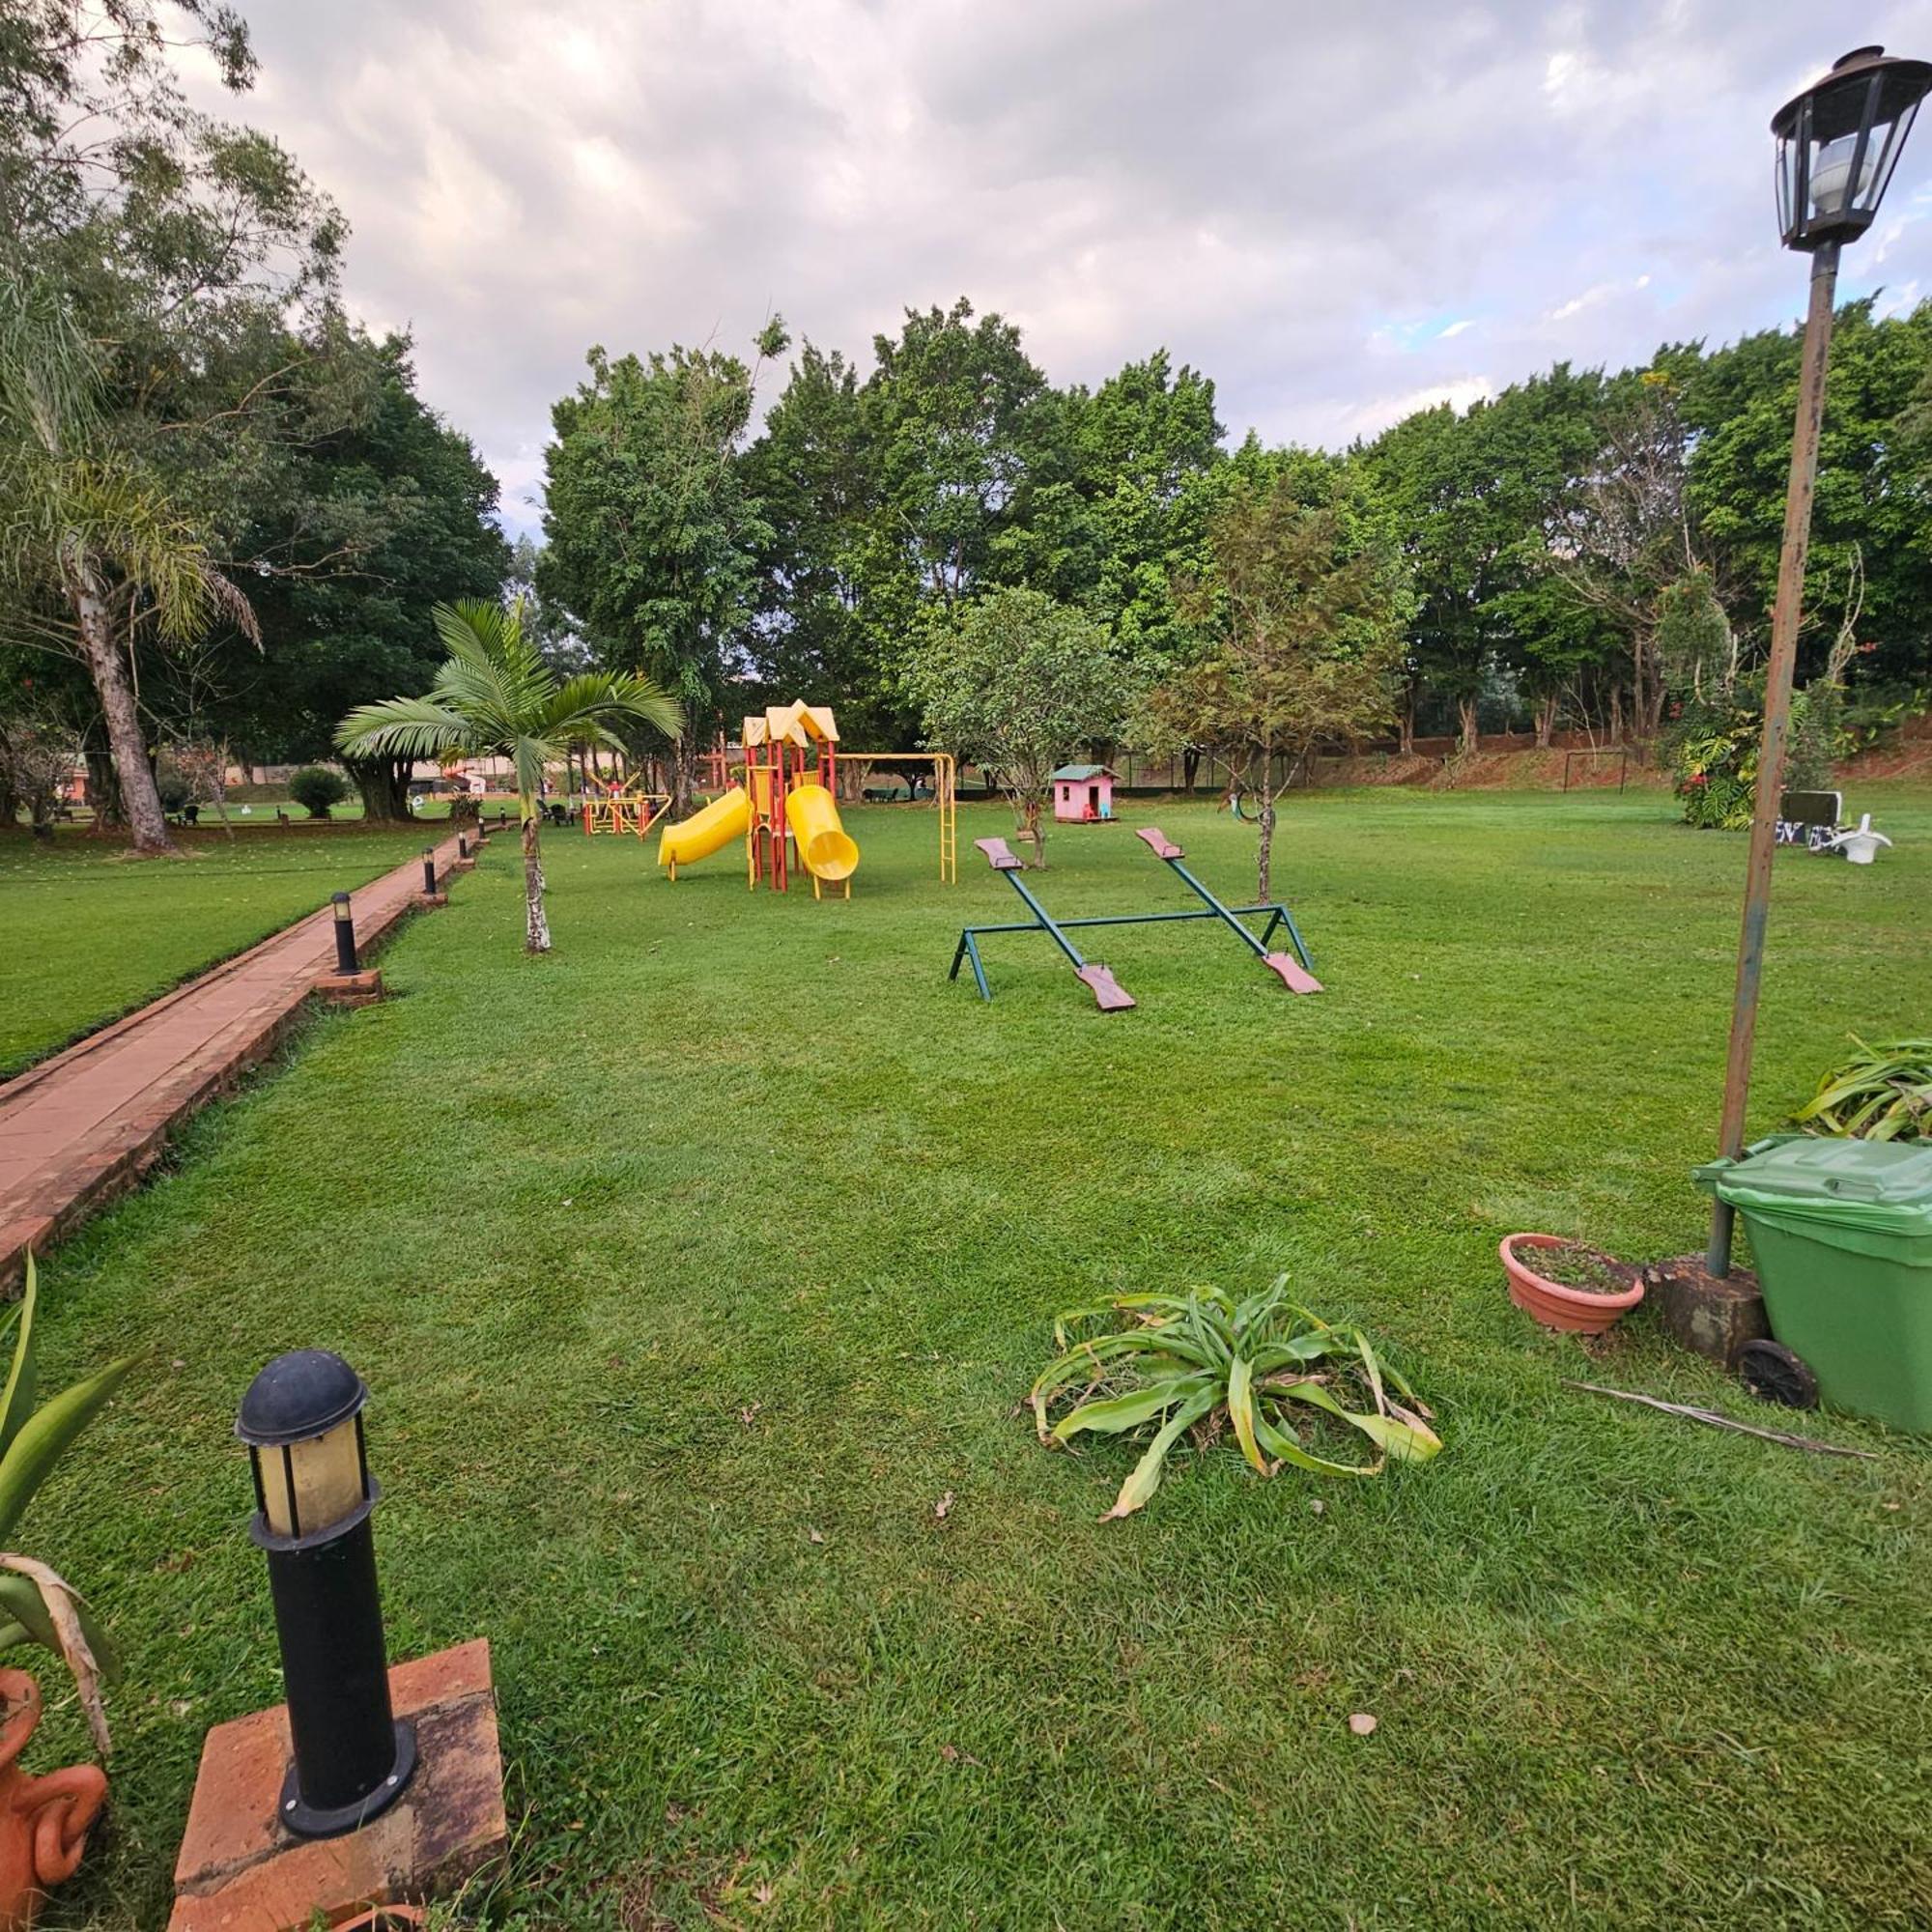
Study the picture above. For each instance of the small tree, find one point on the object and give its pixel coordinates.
(37, 756)
(315, 788)
(496, 696)
(1019, 684)
(1304, 614)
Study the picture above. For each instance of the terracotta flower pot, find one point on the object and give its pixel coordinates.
(43, 1821)
(1573, 1310)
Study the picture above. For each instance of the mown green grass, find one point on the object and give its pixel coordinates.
(692, 1265)
(92, 932)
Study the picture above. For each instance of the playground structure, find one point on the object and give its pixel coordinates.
(1083, 794)
(785, 805)
(785, 809)
(1297, 973)
(622, 804)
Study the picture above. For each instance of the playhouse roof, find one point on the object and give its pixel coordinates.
(1075, 774)
(795, 723)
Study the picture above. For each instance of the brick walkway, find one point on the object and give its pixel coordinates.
(87, 1124)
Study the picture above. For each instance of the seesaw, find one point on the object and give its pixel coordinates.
(1295, 972)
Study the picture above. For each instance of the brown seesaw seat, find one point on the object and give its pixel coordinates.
(998, 853)
(1285, 966)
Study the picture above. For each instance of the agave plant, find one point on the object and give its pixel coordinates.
(1883, 1092)
(1268, 1367)
(37, 1605)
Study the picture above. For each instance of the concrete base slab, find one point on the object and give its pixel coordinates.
(1710, 1317)
(463, 864)
(239, 1871)
(429, 901)
(351, 989)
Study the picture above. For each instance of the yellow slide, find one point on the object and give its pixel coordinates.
(825, 849)
(701, 834)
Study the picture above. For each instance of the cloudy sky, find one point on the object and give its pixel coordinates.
(1339, 212)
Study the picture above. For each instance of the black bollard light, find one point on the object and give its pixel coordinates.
(463, 844)
(302, 1422)
(429, 869)
(345, 935)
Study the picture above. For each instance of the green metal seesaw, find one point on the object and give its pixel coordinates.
(1295, 972)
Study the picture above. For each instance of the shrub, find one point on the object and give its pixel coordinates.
(172, 786)
(1714, 754)
(316, 787)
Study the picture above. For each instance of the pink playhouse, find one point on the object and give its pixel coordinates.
(1082, 793)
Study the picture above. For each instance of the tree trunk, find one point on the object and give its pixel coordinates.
(536, 928)
(1545, 722)
(1465, 708)
(384, 785)
(140, 799)
(1616, 713)
(1033, 829)
(1406, 723)
(1264, 846)
(102, 794)
(1190, 766)
(683, 776)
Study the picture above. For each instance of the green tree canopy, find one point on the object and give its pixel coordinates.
(1019, 684)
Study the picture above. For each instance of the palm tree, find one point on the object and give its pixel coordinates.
(495, 696)
(90, 541)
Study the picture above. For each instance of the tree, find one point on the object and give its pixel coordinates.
(495, 697)
(1018, 684)
(652, 534)
(81, 512)
(1627, 534)
(1305, 606)
(813, 475)
(160, 262)
(365, 526)
(37, 754)
(1473, 495)
(1870, 508)
(947, 410)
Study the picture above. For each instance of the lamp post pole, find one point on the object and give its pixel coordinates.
(1786, 615)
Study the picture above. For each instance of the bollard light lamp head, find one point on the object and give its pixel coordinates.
(302, 1422)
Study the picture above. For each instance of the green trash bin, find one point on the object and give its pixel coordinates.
(1843, 1232)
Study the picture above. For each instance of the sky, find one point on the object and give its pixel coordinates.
(1340, 213)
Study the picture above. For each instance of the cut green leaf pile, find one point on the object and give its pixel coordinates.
(1279, 1376)
(1883, 1092)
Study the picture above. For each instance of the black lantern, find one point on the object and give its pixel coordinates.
(302, 1422)
(1838, 143)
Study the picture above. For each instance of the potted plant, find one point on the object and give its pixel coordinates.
(44, 1820)
(1570, 1285)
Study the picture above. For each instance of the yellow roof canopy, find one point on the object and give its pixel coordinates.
(796, 724)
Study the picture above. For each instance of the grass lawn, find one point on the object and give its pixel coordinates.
(92, 933)
(692, 1265)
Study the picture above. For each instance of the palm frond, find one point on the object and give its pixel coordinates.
(593, 701)
(405, 728)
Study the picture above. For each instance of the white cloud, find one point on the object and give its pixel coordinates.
(1259, 189)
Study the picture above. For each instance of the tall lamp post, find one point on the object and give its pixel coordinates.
(1838, 143)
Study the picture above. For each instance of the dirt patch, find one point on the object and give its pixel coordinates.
(1588, 1271)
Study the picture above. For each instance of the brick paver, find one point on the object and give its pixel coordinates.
(88, 1124)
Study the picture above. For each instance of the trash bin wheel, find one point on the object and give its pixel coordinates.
(1774, 1373)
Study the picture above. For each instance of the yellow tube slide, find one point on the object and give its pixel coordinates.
(701, 834)
(825, 849)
